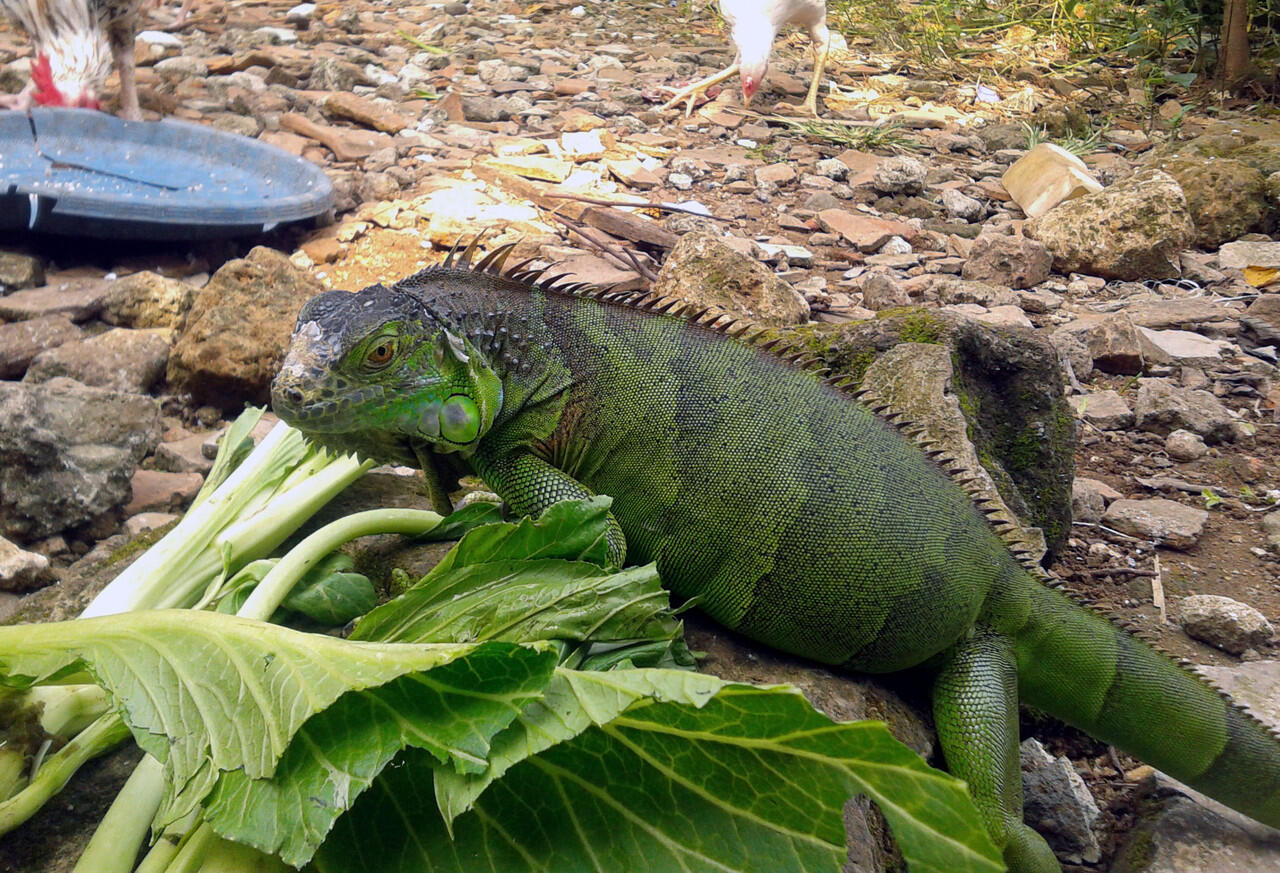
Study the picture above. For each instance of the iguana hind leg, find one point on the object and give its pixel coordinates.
(975, 707)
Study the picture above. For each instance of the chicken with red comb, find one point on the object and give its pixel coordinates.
(75, 43)
(753, 25)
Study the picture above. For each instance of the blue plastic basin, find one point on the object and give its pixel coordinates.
(76, 171)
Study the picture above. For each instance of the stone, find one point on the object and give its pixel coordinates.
(21, 341)
(1112, 341)
(900, 175)
(1046, 176)
(883, 291)
(1105, 410)
(1183, 445)
(1003, 316)
(1089, 498)
(1226, 198)
(335, 74)
(18, 271)
(346, 144)
(1224, 623)
(147, 299)
(966, 291)
(1271, 530)
(158, 491)
(1262, 319)
(67, 453)
(1014, 416)
(1182, 835)
(21, 570)
(1238, 255)
(128, 361)
(1133, 230)
(534, 167)
(1012, 261)
(1163, 521)
(1163, 407)
(137, 525)
(1181, 348)
(702, 269)
(962, 206)
(238, 330)
(1058, 805)
(77, 299)
(184, 455)
(343, 104)
(866, 232)
(776, 174)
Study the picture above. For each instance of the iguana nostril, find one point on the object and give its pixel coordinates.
(293, 395)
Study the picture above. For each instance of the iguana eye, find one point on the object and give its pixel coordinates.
(381, 354)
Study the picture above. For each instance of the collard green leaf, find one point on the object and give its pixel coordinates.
(452, 713)
(752, 780)
(207, 693)
(524, 600)
(532, 580)
(572, 529)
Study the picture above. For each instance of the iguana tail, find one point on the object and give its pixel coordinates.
(1083, 669)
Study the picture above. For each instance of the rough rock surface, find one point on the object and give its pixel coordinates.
(238, 330)
(1013, 261)
(1057, 803)
(21, 341)
(1228, 624)
(1163, 407)
(1132, 230)
(703, 269)
(147, 299)
(1225, 197)
(1164, 521)
(67, 453)
(129, 361)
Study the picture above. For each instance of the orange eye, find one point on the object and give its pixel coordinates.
(380, 354)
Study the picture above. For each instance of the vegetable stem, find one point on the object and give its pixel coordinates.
(275, 586)
(58, 768)
(114, 845)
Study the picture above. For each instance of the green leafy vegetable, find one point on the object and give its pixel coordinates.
(207, 694)
(659, 771)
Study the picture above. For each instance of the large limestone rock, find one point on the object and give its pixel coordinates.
(1225, 197)
(1013, 261)
(704, 270)
(238, 330)
(1132, 230)
(1163, 407)
(67, 453)
(147, 300)
(992, 396)
(130, 361)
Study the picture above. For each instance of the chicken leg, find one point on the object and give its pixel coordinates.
(120, 37)
(692, 91)
(821, 38)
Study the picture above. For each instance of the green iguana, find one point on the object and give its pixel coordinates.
(786, 504)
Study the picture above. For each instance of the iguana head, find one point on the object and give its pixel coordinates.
(377, 373)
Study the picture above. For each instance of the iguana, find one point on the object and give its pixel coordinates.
(792, 509)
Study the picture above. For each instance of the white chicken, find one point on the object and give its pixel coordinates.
(753, 25)
(75, 43)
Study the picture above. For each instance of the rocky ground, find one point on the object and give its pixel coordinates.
(539, 124)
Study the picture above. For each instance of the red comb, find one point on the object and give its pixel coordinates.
(46, 93)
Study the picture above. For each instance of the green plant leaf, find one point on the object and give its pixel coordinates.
(206, 693)
(451, 712)
(538, 579)
(653, 770)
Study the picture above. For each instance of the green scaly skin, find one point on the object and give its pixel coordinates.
(794, 514)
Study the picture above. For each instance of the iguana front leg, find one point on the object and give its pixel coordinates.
(528, 485)
(975, 708)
